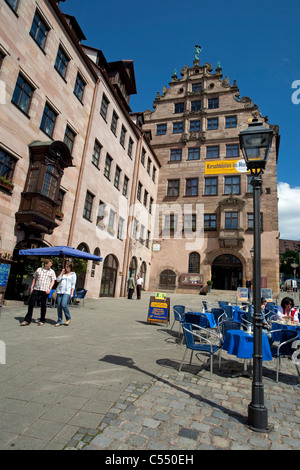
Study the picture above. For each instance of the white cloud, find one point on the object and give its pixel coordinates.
(289, 211)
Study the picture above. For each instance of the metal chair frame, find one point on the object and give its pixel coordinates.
(288, 352)
(208, 347)
(178, 316)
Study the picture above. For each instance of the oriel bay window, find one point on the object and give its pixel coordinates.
(231, 220)
(42, 195)
(50, 183)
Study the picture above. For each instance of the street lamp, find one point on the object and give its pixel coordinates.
(255, 143)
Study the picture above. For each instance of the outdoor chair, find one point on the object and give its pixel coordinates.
(196, 319)
(51, 300)
(228, 309)
(207, 347)
(208, 305)
(78, 297)
(222, 302)
(284, 349)
(226, 325)
(219, 314)
(179, 315)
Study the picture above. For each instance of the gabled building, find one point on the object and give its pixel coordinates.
(204, 216)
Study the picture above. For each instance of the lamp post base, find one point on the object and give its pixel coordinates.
(258, 418)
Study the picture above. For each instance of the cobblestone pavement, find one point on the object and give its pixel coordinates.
(110, 381)
(188, 412)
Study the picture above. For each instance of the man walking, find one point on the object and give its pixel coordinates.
(43, 281)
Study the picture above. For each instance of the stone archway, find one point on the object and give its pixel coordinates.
(227, 272)
(167, 279)
(109, 276)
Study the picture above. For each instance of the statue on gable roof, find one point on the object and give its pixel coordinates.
(198, 49)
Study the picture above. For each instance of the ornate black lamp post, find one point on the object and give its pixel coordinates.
(255, 143)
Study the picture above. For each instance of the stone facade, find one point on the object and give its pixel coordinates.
(195, 126)
(103, 153)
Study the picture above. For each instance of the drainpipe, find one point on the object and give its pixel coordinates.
(129, 233)
(78, 189)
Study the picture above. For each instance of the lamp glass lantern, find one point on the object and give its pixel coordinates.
(255, 143)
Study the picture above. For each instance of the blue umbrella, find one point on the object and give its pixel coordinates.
(59, 251)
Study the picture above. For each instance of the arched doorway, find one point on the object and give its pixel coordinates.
(167, 279)
(133, 268)
(143, 273)
(227, 272)
(22, 270)
(109, 276)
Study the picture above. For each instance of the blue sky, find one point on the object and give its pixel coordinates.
(257, 44)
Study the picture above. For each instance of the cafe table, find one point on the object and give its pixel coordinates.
(282, 325)
(210, 317)
(239, 343)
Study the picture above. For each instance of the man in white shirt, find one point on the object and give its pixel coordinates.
(139, 285)
(43, 281)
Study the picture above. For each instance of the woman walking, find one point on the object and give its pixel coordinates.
(65, 290)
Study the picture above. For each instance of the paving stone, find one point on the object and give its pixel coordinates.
(188, 433)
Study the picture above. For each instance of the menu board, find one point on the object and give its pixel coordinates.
(159, 309)
(242, 294)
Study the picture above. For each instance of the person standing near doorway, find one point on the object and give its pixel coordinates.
(139, 285)
(249, 287)
(130, 286)
(43, 281)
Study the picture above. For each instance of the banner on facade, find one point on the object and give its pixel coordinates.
(220, 167)
(242, 294)
(159, 309)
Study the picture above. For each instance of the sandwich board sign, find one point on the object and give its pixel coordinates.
(159, 308)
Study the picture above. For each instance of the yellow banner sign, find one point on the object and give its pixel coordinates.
(219, 167)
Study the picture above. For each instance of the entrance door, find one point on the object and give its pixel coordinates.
(227, 272)
(167, 279)
(109, 276)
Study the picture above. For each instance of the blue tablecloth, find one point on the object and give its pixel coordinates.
(240, 344)
(210, 318)
(281, 326)
(237, 313)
